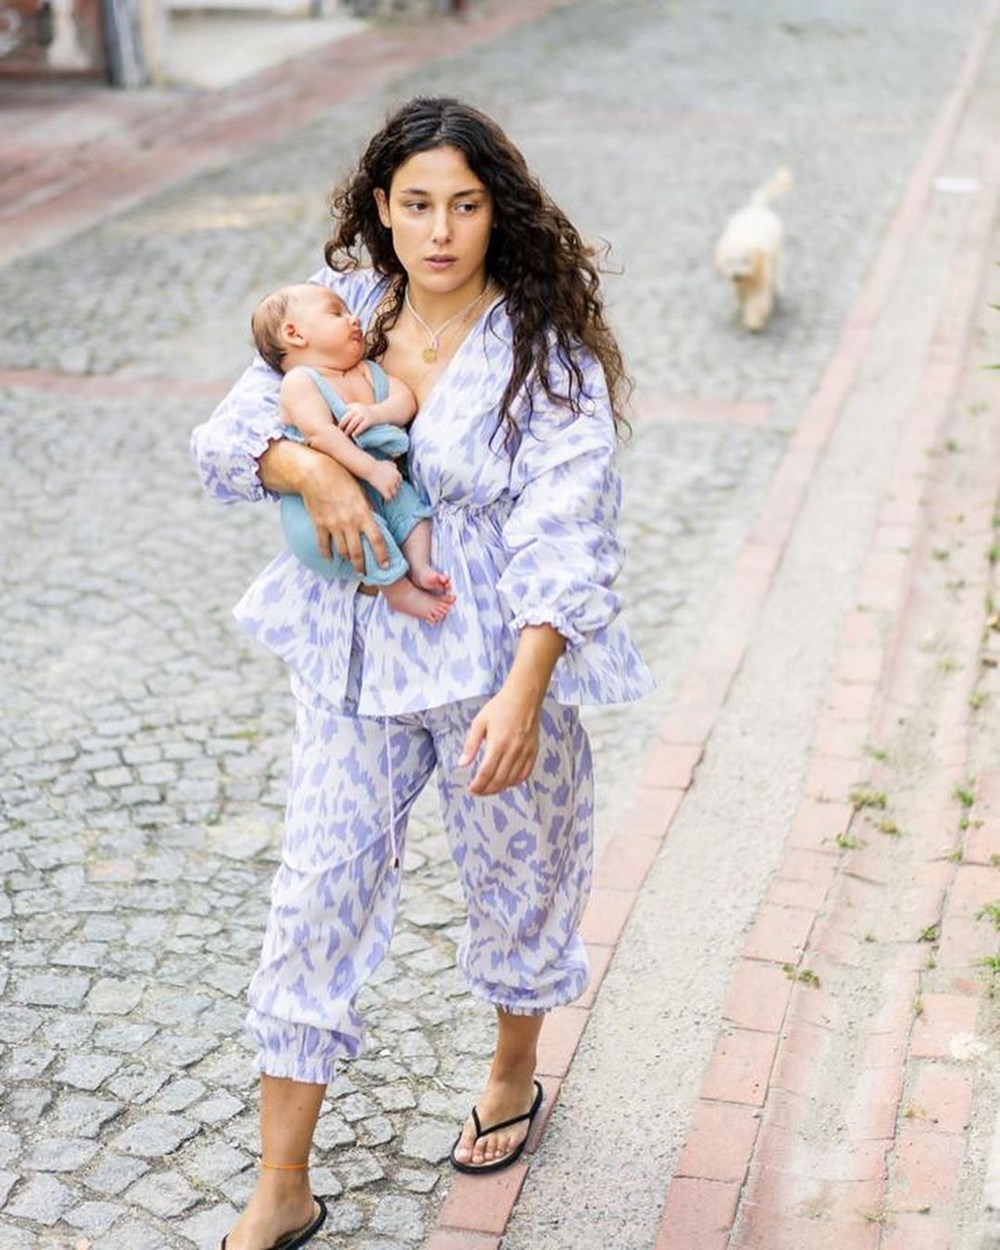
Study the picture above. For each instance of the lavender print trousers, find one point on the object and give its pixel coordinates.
(523, 857)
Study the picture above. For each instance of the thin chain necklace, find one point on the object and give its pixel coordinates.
(430, 352)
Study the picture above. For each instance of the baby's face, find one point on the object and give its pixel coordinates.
(332, 332)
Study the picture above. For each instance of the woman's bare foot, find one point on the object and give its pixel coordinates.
(403, 596)
(269, 1217)
(503, 1099)
(428, 578)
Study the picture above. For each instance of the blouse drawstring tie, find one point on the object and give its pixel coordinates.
(393, 842)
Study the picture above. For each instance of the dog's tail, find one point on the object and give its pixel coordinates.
(775, 186)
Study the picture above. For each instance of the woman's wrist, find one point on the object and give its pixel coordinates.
(538, 650)
(284, 466)
(292, 468)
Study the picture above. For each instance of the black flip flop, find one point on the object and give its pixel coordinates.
(471, 1168)
(292, 1241)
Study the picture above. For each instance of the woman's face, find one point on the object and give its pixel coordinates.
(440, 215)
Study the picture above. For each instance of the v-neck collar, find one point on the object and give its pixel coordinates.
(473, 332)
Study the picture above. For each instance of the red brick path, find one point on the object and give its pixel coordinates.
(748, 1177)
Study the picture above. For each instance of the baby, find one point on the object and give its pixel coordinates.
(347, 407)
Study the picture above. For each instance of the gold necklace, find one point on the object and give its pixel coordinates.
(430, 352)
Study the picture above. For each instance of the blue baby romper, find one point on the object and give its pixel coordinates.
(395, 517)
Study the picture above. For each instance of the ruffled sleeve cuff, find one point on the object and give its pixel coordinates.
(227, 447)
(576, 624)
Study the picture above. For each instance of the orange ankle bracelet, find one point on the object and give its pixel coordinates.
(285, 1167)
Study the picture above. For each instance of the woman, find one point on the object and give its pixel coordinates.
(482, 298)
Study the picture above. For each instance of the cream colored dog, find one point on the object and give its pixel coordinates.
(749, 252)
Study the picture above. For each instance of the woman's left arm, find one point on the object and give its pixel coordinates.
(564, 557)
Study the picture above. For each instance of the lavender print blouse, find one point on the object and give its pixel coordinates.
(528, 538)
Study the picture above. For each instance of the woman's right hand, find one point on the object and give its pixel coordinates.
(333, 498)
(341, 513)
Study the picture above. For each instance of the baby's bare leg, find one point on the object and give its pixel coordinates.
(403, 596)
(417, 550)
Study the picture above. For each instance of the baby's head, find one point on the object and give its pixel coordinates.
(307, 320)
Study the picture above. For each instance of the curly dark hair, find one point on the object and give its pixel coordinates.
(548, 275)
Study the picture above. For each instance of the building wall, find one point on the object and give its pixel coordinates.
(400, 8)
(51, 37)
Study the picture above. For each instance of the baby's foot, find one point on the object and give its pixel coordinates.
(428, 578)
(403, 596)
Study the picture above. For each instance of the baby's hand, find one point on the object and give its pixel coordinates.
(357, 417)
(386, 478)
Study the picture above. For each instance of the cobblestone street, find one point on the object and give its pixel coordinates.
(144, 742)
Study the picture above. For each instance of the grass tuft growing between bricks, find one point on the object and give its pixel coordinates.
(846, 842)
(991, 912)
(861, 797)
(804, 976)
(990, 965)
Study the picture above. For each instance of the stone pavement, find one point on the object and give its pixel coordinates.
(715, 1098)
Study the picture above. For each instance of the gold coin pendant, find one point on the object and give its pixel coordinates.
(430, 354)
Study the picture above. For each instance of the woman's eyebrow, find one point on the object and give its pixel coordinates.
(454, 196)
